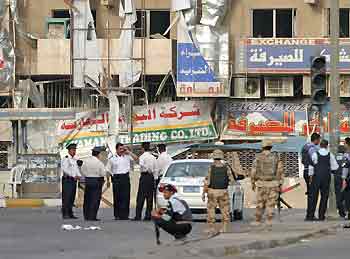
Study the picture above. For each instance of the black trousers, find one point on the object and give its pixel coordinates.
(318, 185)
(145, 193)
(92, 197)
(179, 230)
(307, 179)
(69, 188)
(121, 196)
(346, 194)
(340, 196)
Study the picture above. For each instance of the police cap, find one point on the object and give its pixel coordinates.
(99, 149)
(168, 187)
(71, 146)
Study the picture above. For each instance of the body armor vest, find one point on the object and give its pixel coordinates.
(267, 167)
(219, 178)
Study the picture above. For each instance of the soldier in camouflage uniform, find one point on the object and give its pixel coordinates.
(215, 186)
(267, 178)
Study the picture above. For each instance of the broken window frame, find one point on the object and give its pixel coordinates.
(274, 22)
(147, 23)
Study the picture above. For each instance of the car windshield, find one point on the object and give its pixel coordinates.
(188, 169)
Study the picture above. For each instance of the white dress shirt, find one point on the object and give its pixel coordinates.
(148, 164)
(323, 152)
(162, 163)
(119, 164)
(177, 205)
(70, 167)
(93, 167)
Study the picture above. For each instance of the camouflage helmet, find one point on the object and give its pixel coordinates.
(218, 154)
(266, 143)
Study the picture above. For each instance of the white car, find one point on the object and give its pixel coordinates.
(188, 177)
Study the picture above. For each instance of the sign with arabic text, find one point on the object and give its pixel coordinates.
(162, 122)
(195, 77)
(273, 55)
(173, 122)
(252, 119)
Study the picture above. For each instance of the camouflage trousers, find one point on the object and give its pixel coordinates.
(266, 199)
(218, 198)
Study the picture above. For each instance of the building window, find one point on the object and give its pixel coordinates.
(4, 155)
(277, 23)
(60, 13)
(344, 23)
(152, 22)
(159, 22)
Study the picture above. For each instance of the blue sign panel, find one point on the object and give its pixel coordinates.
(191, 66)
(289, 55)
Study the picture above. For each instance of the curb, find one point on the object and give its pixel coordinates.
(266, 244)
(29, 203)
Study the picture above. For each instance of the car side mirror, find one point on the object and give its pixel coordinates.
(240, 177)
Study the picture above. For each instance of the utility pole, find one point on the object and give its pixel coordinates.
(334, 93)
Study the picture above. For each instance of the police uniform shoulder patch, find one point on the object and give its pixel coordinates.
(66, 156)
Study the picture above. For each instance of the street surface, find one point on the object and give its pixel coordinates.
(37, 234)
(333, 246)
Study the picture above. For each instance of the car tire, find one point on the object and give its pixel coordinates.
(231, 217)
(237, 215)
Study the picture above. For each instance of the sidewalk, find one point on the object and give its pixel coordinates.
(245, 238)
(29, 203)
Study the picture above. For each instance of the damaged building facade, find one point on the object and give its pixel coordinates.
(238, 70)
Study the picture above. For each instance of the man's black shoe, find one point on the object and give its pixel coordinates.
(136, 219)
(66, 217)
(93, 220)
(310, 219)
(73, 217)
(342, 214)
(147, 219)
(321, 219)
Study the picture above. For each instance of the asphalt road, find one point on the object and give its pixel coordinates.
(327, 247)
(37, 234)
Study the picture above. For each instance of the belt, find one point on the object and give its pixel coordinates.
(117, 175)
(66, 176)
(146, 173)
(183, 222)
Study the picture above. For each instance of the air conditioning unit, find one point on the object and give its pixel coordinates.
(108, 3)
(279, 87)
(344, 86)
(247, 87)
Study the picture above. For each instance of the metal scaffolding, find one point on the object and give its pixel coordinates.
(109, 82)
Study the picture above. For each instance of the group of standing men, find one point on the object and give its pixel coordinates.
(93, 173)
(319, 165)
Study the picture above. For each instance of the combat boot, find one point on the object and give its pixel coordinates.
(224, 228)
(256, 224)
(211, 230)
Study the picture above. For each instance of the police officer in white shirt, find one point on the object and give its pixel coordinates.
(119, 167)
(94, 172)
(70, 175)
(147, 183)
(163, 161)
(323, 163)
